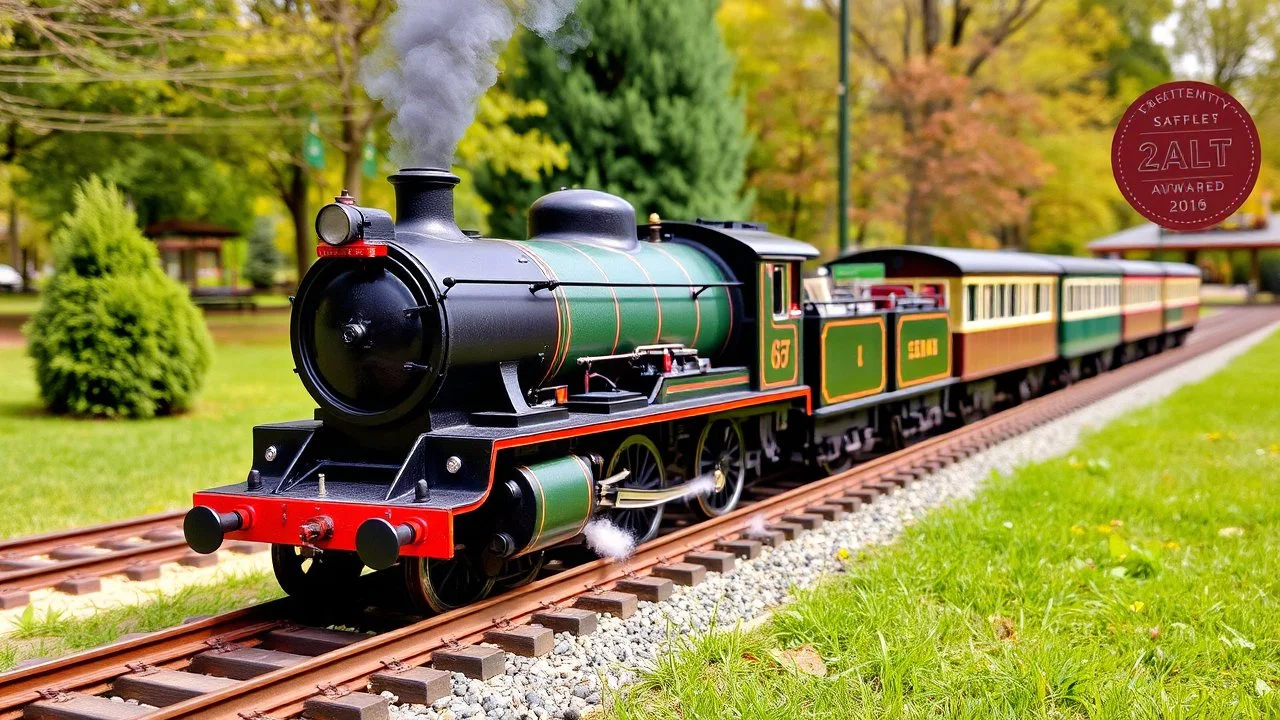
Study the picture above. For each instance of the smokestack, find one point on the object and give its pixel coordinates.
(424, 203)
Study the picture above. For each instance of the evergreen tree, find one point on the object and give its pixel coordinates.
(263, 259)
(647, 108)
(114, 336)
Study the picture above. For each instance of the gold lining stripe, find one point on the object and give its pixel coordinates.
(617, 307)
(542, 506)
(790, 326)
(884, 340)
(697, 309)
(946, 373)
(657, 298)
(528, 252)
(590, 477)
(719, 382)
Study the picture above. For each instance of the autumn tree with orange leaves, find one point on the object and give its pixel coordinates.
(949, 145)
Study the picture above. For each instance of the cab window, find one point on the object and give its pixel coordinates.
(779, 290)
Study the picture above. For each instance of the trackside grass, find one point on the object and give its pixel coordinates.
(50, 634)
(1138, 577)
(61, 472)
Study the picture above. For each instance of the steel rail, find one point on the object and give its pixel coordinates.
(282, 692)
(40, 544)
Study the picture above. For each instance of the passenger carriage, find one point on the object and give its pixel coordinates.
(1090, 325)
(1181, 299)
(1142, 306)
(1001, 307)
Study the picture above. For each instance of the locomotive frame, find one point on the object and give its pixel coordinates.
(481, 401)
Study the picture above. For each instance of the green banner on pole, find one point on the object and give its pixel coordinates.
(312, 145)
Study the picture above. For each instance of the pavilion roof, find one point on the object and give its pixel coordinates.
(1149, 237)
(178, 228)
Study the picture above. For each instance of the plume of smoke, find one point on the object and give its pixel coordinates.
(755, 524)
(438, 57)
(608, 540)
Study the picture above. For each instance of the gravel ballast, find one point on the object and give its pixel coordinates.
(570, 681)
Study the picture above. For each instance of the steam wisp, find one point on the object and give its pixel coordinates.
(437, 58)
(608, 540)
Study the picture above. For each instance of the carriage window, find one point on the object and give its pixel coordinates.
(779, 290)
(989, 296)
(971, 303)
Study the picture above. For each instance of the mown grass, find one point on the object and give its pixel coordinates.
(49, 634)
(60, 472)
(1136, 578)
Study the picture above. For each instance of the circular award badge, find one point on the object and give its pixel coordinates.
(1186, 155)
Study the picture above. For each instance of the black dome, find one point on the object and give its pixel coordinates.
(587, 216)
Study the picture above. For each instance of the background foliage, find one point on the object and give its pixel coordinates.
(974, 123)
(114, 336)
(646, 110)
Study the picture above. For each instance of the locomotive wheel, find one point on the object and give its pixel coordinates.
(722, 454)
(329, 573)
(639, 455)
(442, 585)
(521, 571)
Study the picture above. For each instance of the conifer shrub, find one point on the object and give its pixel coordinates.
(263, 259)
(114, 336)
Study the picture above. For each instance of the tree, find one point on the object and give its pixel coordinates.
(263, 259)
(1232, 41)
(114, 336)
(647, 109)
(929, 61)
(787, 68)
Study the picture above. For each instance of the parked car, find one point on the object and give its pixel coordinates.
(10, 280)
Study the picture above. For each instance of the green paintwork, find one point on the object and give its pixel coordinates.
(590, 317)
(562, 493)
(779, 349)
(857, 271)
(848, 374)
(1174, 315)
(1081, 337)
(676, 389)
(932, 334)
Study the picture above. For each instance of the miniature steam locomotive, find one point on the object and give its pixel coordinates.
(480, 401)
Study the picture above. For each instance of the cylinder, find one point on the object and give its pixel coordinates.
(548, 502)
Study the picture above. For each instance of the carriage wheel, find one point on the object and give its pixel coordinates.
(722, 455)
(639, 455)
(327, 573)
(442, 585)
(838, 465)
(521, 571)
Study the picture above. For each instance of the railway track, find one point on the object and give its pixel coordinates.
(75, 561)
(253, 663)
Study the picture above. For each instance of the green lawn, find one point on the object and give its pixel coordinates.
(53, 635)
(18, 303)
(60, 472)
(1138, 578)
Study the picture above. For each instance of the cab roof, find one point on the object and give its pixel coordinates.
(752, 237)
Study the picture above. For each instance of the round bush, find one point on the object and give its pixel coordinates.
(114, 336)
